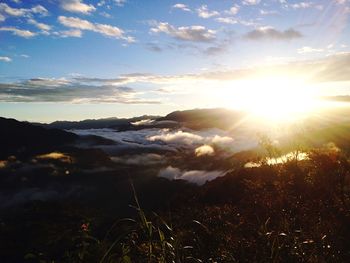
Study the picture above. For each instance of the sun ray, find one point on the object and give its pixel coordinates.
(274, 99)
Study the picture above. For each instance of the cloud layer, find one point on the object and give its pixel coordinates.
(270, 33)
(5, 59)
(159, 140)
(19, 32)
(77, 6)
(120, 89)
(198, 177)
(63, 90)
(204, 150)
(106, 30)
(186, 33)
(7, 10)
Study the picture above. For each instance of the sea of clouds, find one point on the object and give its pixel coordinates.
(152, 146)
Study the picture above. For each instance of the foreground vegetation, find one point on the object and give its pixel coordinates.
(296, 211)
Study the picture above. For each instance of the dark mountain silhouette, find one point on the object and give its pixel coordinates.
(194, 119)
(113, 123)
(24, 139)
(205, 118)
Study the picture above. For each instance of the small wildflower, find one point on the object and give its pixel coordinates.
(85, 227)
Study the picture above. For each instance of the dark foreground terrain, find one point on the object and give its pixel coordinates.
(65, 200)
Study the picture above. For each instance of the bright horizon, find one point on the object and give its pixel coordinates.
(75, 59)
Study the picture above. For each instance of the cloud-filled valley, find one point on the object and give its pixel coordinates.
(165, 148)
(160, 147)
(172, 140)
(157, 147)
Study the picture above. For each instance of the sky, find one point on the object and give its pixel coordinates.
(80, 59)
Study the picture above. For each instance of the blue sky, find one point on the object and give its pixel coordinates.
(77, 59)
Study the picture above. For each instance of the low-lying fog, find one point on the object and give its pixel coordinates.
(159, 146)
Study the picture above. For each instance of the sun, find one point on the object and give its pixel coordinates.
(275, 99)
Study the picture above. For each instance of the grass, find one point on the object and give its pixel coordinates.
(289, 212)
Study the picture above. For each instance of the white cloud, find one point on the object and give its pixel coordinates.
(106, 15)
(70, 33)
(171, 173)
(268, 12)
(39, 25)
(222, 141)
(304, 5)
(248, 23)
(199, 177)
(204, 150)
(101, 3)
(6, 10)
(47, 82)
(130, 142)
(234, 20)
(143, 122)
(304, 50)
(204, 12)
(183, 7)
(189, 33)
(192, 140)
(120, 2)
(106, 30)
(5, 59)
(75, 22)
(251, 2)
(227, 20)
(39, 9)
(24, 56)
(77, 6)
(18, 32)
(140, 159)
(272, 34)
(178, 137)
(233, 10)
